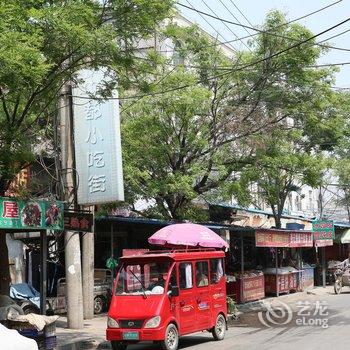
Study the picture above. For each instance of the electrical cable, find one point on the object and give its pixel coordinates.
(225, 24)
(232, 70)
(229, 68)
(261, 31)
(215, 30)
(279, 26)
(250, 23)
(223, 4)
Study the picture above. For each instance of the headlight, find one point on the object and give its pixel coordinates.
(112, 323)
(153, 322)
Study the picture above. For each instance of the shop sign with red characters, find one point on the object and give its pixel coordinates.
(323, 230)
(78, 221)
(31, 214)
(283, 238)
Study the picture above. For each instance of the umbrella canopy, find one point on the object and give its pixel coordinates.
(192, 235)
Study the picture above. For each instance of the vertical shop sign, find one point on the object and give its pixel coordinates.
(97, 141)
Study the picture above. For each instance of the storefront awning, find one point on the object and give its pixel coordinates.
(345, 237)
(283, 238)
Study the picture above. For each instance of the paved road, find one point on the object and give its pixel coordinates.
(331, 311)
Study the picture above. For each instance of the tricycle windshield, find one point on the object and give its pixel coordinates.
(142, 278)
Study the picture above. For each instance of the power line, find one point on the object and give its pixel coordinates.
(335, 36)
(215, 30)
(330, 64)
(279, 26)
(210, 9)
(227, 68)
(232, 70)
(250, 23)
(261, 31)
(223, 4)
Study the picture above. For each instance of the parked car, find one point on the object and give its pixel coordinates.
(103, 280)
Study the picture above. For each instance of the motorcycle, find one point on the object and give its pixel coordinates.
(342, 279)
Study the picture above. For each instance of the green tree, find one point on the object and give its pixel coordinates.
(43, 45)
(290, 155)
(200, 138)
(185, 140)
(282, 167)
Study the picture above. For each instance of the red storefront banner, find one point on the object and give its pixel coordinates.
(283, 238)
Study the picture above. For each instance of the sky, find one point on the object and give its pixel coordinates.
(255, 12)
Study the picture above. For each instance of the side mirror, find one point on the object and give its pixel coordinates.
(173, 291)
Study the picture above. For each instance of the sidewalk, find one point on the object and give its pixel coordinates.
(247, 314)
(91, 337)
(93, 334)
(260, 305)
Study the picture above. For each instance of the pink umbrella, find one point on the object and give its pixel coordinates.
(187, 235)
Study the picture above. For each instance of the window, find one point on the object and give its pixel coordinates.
(186, 276)
(178, 57)
(173, 279)
(147, 278)
(202, 273)
(216, 270)
(298, 203)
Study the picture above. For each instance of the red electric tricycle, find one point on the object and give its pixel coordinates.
(161, 295)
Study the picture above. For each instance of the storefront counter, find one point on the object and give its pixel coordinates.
(250, 287)
(287, 281)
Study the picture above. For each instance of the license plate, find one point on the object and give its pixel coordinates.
(131, 335)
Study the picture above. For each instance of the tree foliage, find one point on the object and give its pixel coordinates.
(312, 120)
(43, 45)
(232, 122)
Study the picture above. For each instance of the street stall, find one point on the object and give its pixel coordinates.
(279, 278)
(28, 216)
(245, 280)
(324, 234)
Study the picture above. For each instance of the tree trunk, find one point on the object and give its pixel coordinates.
(5, 278)
(278, 223)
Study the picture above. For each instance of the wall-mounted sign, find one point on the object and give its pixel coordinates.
(97, 141)
(323, 230)
(32, 214)
(280, 238)
(76, 221)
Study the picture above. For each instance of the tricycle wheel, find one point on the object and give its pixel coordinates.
(219, 329)
(171, 341)
(337, 287)
(99, 305)
(117, 345)
(30, 309)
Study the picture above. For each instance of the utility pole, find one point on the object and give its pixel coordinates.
(74, 292)
(88, 272)
(323, 249)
